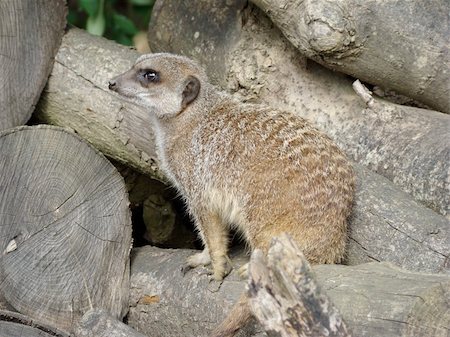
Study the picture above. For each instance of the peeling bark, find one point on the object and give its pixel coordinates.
(286, 298)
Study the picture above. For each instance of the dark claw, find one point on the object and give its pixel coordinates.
(185, 269)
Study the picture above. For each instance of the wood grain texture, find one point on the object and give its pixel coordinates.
(380, 299)
(286, 298)
(30, 34)
(388, 225)
(65, 232)
(165, 302)
(375, 299)
(13, 324)
(98, 323)
(409, 146)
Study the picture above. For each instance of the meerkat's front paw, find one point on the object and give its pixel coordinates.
(199, 259)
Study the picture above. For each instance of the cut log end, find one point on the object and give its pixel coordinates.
(99, 323)
(13, 324)
(66, 228)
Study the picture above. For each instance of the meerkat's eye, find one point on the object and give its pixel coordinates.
(150, 75)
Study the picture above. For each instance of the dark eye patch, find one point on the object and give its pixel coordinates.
(149, 75)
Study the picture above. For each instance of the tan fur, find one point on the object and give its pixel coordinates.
(247, 166)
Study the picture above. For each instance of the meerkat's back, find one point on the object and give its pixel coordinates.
(268, 172)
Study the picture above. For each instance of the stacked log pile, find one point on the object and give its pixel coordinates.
(65, 223)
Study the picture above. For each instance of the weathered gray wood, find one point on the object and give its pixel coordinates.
(387, 225)
(164, 302)
(65, 231)
(13, 324)
(250, 57)
(379, 299)
(384, 217)
(30, 34)
(99, 323)
(77, 96)
(285, 297)
(398, 45)
(375, 299)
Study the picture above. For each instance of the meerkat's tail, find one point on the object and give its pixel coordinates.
(238, 317)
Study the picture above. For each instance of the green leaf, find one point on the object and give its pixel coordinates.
(123, 39)
(96, 25)
(142, 2)
(124, 24)
(91, 7)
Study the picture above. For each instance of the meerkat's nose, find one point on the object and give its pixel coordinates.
(112, 85)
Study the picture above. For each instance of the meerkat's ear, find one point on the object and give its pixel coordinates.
(191, 90)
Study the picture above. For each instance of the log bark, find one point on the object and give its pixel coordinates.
(402, 46)
(285, 297)
(27, 50)
(386, 223)
(77, 96)
(98, 323)
(250, 57)
(66, 229)
(166, 302)
(13, 324)
(375, 299)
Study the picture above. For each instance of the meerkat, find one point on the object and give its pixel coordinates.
(245, 166)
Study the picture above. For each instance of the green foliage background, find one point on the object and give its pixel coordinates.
(117, 20)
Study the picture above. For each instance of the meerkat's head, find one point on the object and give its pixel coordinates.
(163, 83)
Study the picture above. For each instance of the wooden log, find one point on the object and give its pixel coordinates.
(66, 229)
(285, 297)
(380, 299)
(13, 324)
(27, 51)
(375, 299)
(245, 54)
(386, 225)
(77, 96)
(166, 302)
(390, 44)
(99, 323)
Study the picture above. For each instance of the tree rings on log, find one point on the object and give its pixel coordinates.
(98, 323)
(30, 35)
(13, 324)
(65, 227)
